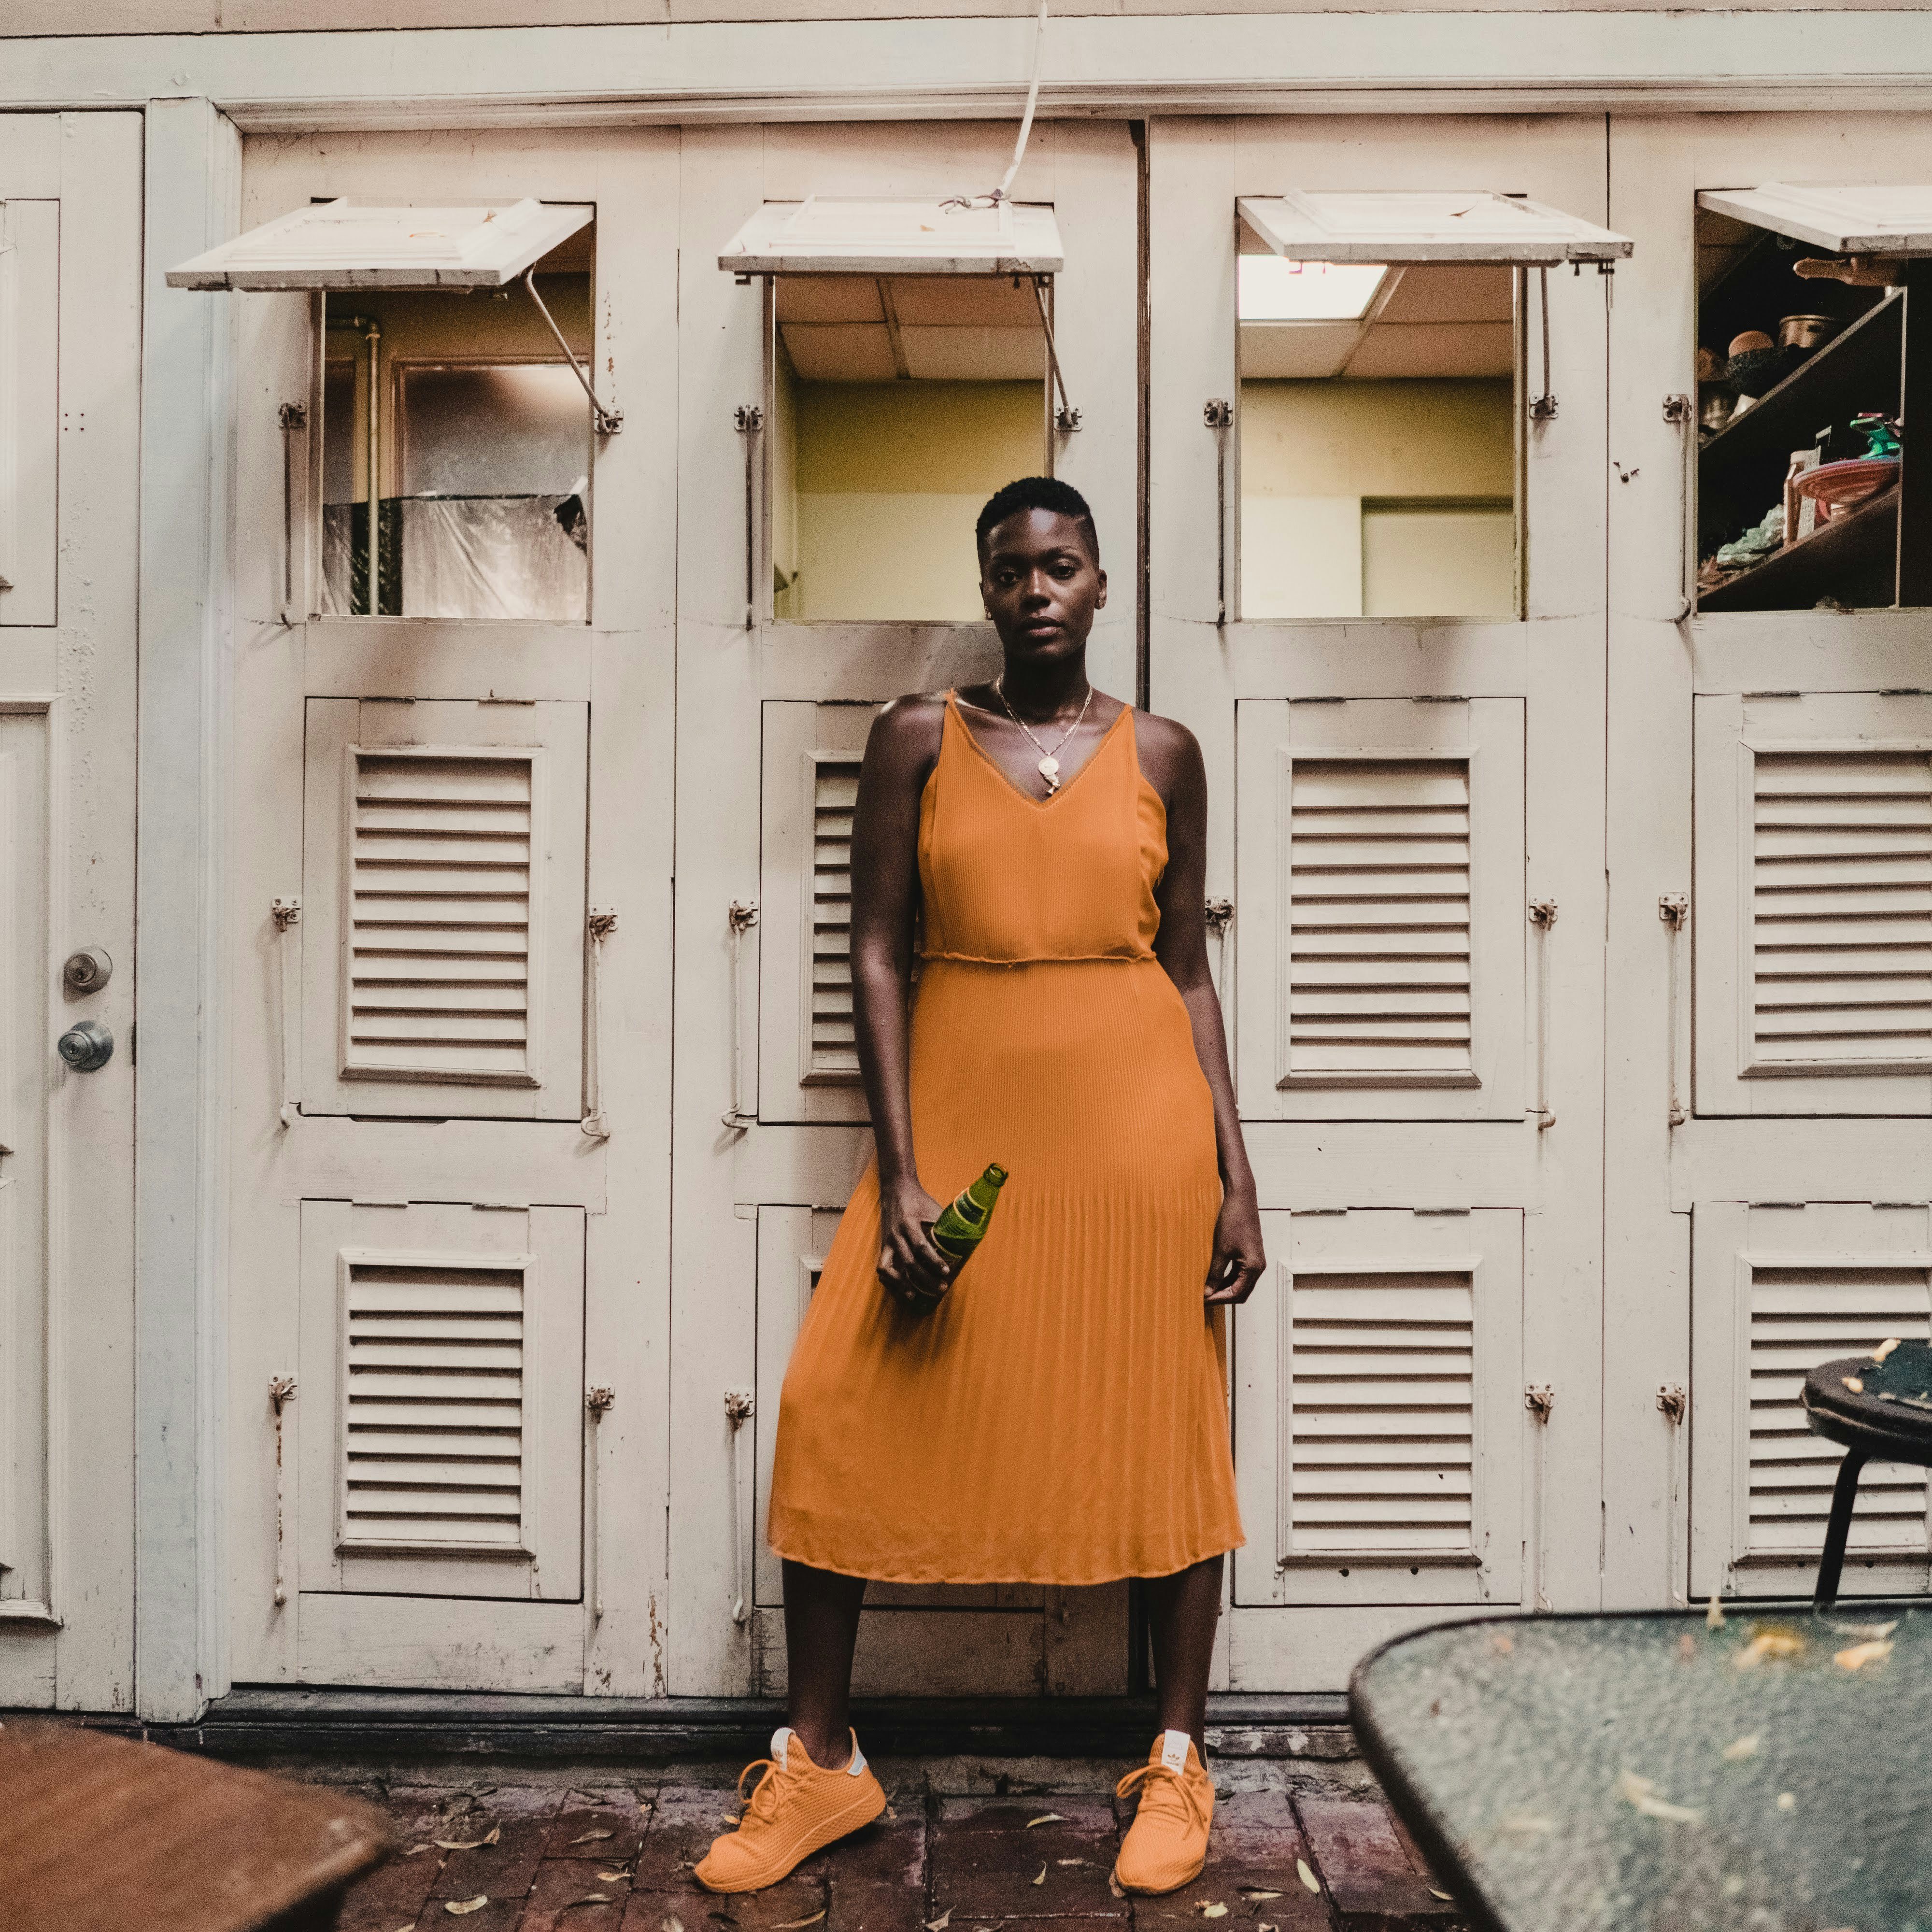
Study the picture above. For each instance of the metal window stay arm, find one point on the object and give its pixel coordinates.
(1066, 418)
(609, 421)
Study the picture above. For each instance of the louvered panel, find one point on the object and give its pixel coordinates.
(434, 1408)
(1800, 1317)
(1379, 926)
(1842, 907)
(439, 892)
(1382, 1417)
(832, 1052)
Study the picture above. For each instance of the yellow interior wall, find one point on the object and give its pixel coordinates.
(1311, 453)
(890, 477)
(433, 327)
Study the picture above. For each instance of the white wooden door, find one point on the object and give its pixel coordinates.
(773, 713)
(1406, 815)
(1769, 1132)
(70, 354)
(450, 943)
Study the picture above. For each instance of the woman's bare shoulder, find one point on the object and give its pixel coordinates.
(906, 733)
(1168, 751)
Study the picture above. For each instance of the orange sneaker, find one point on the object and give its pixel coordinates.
(795, 1810)
(1167, 1843)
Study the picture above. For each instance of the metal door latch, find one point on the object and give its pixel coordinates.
(87, 1046)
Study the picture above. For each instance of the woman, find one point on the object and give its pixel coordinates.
(1060, 1416)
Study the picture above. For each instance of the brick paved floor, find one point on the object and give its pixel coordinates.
(970, 1845)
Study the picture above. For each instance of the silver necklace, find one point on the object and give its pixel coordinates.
(1049, 765)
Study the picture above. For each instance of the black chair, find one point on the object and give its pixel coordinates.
(1887, 1417)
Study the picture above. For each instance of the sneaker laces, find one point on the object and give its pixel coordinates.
(763, 1803)
(1159, 1797)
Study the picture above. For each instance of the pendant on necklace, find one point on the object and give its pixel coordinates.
(1049, 769)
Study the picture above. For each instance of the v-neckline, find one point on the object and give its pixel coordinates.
(1005, 777)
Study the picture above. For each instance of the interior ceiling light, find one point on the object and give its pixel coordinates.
(1271, 289)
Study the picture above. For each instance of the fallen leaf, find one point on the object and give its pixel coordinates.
(1738, 1749)
(589, 1898)
(1640, 1794)
(1858, 1655)
(1443, 1895)
(1866, 1633)
(1853, 1383)
(1213, 1912)
(1885, 1348)
(798, 1925)
(1714, 1613)
(1687, 1649)
(940, 1924)
(1250, 1891)
(670, 1922)
(1044, 1818)
(1114, 1886)
(1069, 1861)
(592, 1837)
(613, 1878)
(1266, 1928)
(1769, 1643)
(1308, 1878)
(415, 1851)
(460, 1908)
(474, 1844)
(1042, 1878)
(1502, 1643)
(1524, 1824)
(730, 1819)
(1787, 1801)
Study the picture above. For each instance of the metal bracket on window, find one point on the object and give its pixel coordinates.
(741, 917)
(1540, 1401)
(293, 417)
(597, 1403)
(1543, 408)
(1065, 417)
(1542, 917)
(600, 923)
(1218, 414)
(1674, 908)
(281, 1393)
(1220, 915)
(1674, 1403)
(1680, 413)
(749, 419)
(285, 913)
(608, 421)
(739, 1408)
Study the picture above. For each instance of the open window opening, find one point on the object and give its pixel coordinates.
(479, 436)
(1806, 341)
(911, 373)
(457, 412)
(1380, 341)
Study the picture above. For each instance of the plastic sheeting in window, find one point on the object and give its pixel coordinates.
(466, 556)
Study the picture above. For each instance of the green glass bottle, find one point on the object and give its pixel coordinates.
(963, 1222)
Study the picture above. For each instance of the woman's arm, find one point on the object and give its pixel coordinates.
(900, 754)
(1172, 761)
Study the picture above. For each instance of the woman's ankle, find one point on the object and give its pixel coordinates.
(829, 1747)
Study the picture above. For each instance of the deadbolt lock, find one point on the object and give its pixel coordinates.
(88, 971)
(86, 1045)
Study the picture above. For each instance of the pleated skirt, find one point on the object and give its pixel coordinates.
(1061, 1417)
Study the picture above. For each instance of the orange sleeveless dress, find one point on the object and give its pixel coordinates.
(1061, 1416)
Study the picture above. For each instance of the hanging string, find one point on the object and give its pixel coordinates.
(999, 194)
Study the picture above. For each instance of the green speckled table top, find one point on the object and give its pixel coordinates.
(1578, 1773)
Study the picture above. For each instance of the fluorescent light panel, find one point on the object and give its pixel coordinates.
(1271, 289)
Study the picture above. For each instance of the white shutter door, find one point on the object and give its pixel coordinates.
(29, 408)
(1776, 1291)
(809, 1064)
(440, 1402)
(1379, 1428)
(1814, 904)
(442, 927)
(1380, 934)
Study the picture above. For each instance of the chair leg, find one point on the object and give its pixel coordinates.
(1831, 1563)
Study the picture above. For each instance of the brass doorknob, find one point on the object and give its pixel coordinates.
(87, 1044)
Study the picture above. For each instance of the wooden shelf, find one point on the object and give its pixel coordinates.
(1854, 546)
(1857, 370)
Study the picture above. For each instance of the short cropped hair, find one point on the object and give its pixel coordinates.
(1037, 493)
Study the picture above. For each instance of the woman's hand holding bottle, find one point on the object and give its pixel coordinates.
(909, 1267)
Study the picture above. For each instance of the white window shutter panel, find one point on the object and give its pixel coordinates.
(438, 1425)
(442, 934)
(1812, 917)
(807, 1061)
(1379, 971)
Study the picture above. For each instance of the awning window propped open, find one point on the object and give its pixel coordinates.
(1864, 218)
(1389, 226)
(335, 245)
(886, 237)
